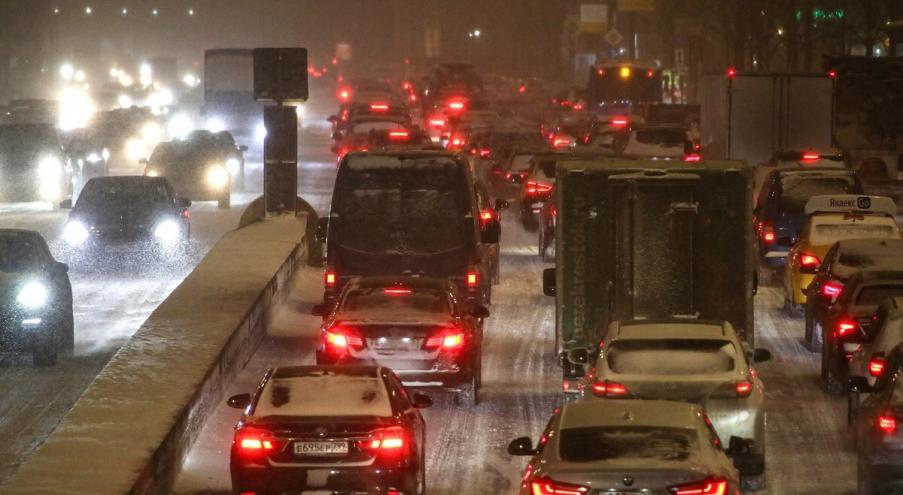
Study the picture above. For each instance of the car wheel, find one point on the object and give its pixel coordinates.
(45, 354)
(815, 341)
(545, 249)
(469, 395)
(829, 380)
(478, 367)
(793, 310)
(753, 483)
(67, 331)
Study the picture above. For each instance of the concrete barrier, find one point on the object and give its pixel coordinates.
(133, 426)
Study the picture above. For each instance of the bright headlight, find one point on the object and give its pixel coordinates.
(180, 126)
(105, 154)
(233, 165)
(32, 295)
(75, 233)
(217, 176)
(93, 158)
(215, 124)
(135, 149)
(152, 172)
(152, 133)
(167, 232)
(50, 174)
(260, 132)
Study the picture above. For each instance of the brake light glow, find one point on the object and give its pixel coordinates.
(876, 364)
(344, 94)
(437, 122)
(329, 278)
(473, 279)
(486, 216)
(560, 142)
(767, 231)
(744, 388)
(887, 423)
(809, 260)
(386, 441)
(832, 73)
(845, 327)
(693, 157)
(832, 289)
(449, 338)
(619, 121)
(398, 135)
(731, 72)
(810, 156)
(456, 105)
(342, 337)
(713, 485)
(379, 107)
(609, 388)
(397, 291)
(548, 486)
(252, 440)
(601, 72)
(534, 187)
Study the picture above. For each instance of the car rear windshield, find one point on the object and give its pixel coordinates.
(663, 137)
(324, 394)
(648, 443)
(391, 205)
(547, 170)
(796, 191)
(521, 163)
(123, 192)
(19, 253)
(829, 233)
(872, 295)
(392, 300)
(671, 356)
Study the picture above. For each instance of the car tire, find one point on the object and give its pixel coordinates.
(469, 395)
(478, 367)
(545, 250)
(752, 483)
(67, 331)
(830, 382)
(815, 340)
(793, 310)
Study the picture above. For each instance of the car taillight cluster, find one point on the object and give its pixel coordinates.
(831, 290)
(713, 485)
(538, 189)
(609, 389)
(887, 423)
(254, 442)
(341, 338)
(693, 157)
(330, 278)
(399, 135)
(877, 364)
(548, 486)
(845, 328)
(472, 279)
(766, 232)
(384, 441)
(450, 338)
(561, 142)
(808, 261)
(486, 217)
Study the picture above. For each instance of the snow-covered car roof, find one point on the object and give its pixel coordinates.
(659, 413)
(672, 330)
(867, 254)
(307, 391)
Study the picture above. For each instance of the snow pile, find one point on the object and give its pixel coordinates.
(135, 422)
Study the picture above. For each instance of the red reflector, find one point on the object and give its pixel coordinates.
(548, 486)
(713, 485)
(744, 388)
(397, 292)
(329, 278)
(876, 364)
(846, 327)
(887, 423)
(810, 156)
(473, 279)
(522, 89)
(379, 107)
(693, 157)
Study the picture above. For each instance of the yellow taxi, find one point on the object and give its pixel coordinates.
(831, 219)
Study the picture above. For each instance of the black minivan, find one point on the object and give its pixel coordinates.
(407, 213)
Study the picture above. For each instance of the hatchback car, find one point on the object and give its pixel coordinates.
(422, 328)
(329, 428)
(870, 359)
(628, 447)
(701, 362)
(36, 308)
(127, 213)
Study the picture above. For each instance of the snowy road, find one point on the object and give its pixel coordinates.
(110, 304)
(467, 448)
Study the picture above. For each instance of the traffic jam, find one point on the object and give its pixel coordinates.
(640, 269)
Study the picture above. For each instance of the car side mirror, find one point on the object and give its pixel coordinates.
(422, 401)
(521, 446)
(239, 401)
(319, 310)
(480, 312)
(322, 229)
(859, 385)
(578, 356)
(501, 204)
(242, 147)
(142, 161)
(60, 267)
(737, 446)
(548, 281)
(761, 355)
(66, 204)
(183, 202)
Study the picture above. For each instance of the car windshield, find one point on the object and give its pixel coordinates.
(122, 192)
(395, 300)
(648, 443)
(796, 191)
(391, 205)
(19, 253)
(872, 295)
(671, 356)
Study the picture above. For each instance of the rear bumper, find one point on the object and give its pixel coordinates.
(442, 372)
(370, 479)
(25, 332)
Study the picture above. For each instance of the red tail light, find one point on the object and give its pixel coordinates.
(522, 89)
(379, 107)
(397, 291)
(731, 72)
(609, 389)
(339, 338)
(449, 338)
(887, 423)
(472, 280)
(832, 290)
(578, 106)
(456, 105)
(559, 142)
(693, 157)
(845, 327)
(437, 122)
(537, 188)
(330, 278)
(766, 230)
(809, 261)
(810, 156)
(744, 388)
(398, 135)
(713, 485)
(253, 441)
(876, 364)
(548, 486)
(486, 216)
(618, 121)
(832, 73)
(385, 441)
(485, 152)
(601, 72)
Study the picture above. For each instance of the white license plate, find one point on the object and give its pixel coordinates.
(321, 448)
